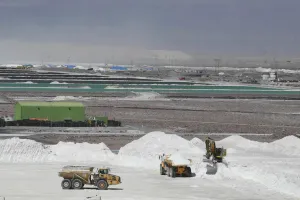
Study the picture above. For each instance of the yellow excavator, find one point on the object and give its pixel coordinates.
(217, 154)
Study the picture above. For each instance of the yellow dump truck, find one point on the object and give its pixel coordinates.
(75, 177)
(172, 169)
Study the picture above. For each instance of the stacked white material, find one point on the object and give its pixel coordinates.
(145, 151)
(291, 141)
(63, 98)
(56, 82)
(23, 150)
(144, 96)
(80, 152)
(20, 150)
(198, 143)
(27, 82)
(289, 146)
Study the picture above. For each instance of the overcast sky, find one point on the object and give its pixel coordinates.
(239, 27)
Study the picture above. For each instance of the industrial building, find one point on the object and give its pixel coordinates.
(50, 111)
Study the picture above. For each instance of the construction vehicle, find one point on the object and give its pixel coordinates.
(168, 167)
(217, 154)
(75, 177)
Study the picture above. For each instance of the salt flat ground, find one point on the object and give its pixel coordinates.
(254, 170)
(34, 181)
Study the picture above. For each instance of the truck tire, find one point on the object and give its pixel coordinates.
(162, 170)
(77, 184)
(188, 172)
(102, 185)
(172, 172)
(66, 184)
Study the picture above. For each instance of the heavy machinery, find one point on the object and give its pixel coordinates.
(75, 177)
(217, 154)
(173, 169)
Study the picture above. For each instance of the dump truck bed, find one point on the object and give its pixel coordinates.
(177, 160)
(81, 172)
(77, 168)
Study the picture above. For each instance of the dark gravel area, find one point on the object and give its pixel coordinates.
(184, 117)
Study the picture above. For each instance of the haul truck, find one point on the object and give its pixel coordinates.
(75, 177)
(172, 169)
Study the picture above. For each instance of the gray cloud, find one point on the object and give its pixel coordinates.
(20, 3)
(218, 27)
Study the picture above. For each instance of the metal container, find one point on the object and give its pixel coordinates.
(51, 111)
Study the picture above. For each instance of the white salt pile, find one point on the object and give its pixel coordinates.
(198, 143)
(56, 82)
(144, 96)
(80, 152)
(289, 145)
(291, 141)
(145, 151)
(20, 150)
(23, 150)
(63, 98)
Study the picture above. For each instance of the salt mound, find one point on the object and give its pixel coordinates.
(198, 143)
(239, 141)
(55, 82)
(27, 82)
(282, 177)
(62, 98)
(81, 152)
(85, 87)
(141, 96)
(238, 144)
(146, 150)
(291, 140)
(23, 150)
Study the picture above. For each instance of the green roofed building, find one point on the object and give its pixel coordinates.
(52, 111)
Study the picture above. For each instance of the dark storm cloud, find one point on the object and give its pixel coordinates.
(204, 26)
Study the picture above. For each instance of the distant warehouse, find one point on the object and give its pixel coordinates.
(51, 111)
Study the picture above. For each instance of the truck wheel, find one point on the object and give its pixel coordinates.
(162, 170)
(168, 171)
(172, 172)
(66, 184)
(102, 185)
(189, 171)
(77, 184)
